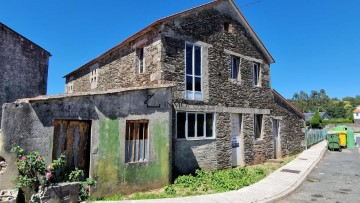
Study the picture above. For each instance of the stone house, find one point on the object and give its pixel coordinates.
(23, 67)
(190, 90)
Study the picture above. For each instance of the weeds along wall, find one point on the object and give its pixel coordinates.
(30, 124)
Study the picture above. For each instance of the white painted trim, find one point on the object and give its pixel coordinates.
(243, 56)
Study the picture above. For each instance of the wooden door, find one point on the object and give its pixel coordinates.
(72, 138)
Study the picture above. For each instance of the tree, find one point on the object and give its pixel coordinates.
(316, 121)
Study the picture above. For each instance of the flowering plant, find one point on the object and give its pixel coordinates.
(31, 169)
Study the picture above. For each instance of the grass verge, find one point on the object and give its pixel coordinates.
(207, 182)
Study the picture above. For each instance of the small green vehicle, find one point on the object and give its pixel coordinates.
(333, 141)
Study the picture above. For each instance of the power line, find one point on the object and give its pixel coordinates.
(250, 3)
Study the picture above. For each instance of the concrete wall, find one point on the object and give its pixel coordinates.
(23, 67)
(30, 125)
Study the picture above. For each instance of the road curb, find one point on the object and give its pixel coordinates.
(291, 189)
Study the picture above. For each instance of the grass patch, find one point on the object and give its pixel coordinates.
(207, 182)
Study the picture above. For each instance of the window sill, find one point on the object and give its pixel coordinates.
(235, 81)
(259, 141)
(137, 163)
(196, 139)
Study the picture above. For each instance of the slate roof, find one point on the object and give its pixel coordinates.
(323, 115)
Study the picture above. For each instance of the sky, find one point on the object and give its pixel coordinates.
(315, 43)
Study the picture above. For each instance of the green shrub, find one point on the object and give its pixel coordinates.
(316, 121)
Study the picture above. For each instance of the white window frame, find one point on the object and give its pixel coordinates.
(238, 76)
(94, 77)
(192, 94)
(69, 87)
(258, 84)
(195, 130)
(140, 61)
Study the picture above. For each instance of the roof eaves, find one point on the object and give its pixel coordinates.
(289, 103)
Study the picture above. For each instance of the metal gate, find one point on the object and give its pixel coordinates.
(72, 138)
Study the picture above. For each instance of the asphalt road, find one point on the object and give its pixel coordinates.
(336, 178)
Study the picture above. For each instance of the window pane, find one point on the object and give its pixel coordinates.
(191, 125)
(197, 61)
(189, 59)
(234, 68)
(189, 83)
(180, 124)
(256, 74)
(209, 125)
(198, 84)
(200, 125)
(257, 125)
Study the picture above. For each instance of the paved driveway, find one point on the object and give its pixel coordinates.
(335, 179)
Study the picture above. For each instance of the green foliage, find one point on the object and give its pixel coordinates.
(320, 101)
(85, 188)
(337, 121)
(316, 121)
(34, 173)
(170, 190)
(77, 175)
(220, 181)
(31, 169)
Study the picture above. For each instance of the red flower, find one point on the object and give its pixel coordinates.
(87, 187)
(39, 158)
(23, 158)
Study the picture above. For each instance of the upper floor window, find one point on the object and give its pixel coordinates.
(256, 74)
(193, 63)
(191, 125)
(137, 141)
(235, 67)
(94, 78)
(69, 87)
(140, 68)
(258, 125)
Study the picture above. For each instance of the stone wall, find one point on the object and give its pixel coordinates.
(118, 68)
(206, 28)
(31, 127)
(292, 126)
(23, 67)
(221, 94)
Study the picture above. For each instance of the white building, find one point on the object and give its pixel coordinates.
(357, 115)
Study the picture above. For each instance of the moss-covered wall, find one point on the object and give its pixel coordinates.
(111, 172)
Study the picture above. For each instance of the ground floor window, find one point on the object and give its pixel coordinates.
(258, 125)
(191, 125)
(136, 144)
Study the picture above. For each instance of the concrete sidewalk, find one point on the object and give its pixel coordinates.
(271, 189)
